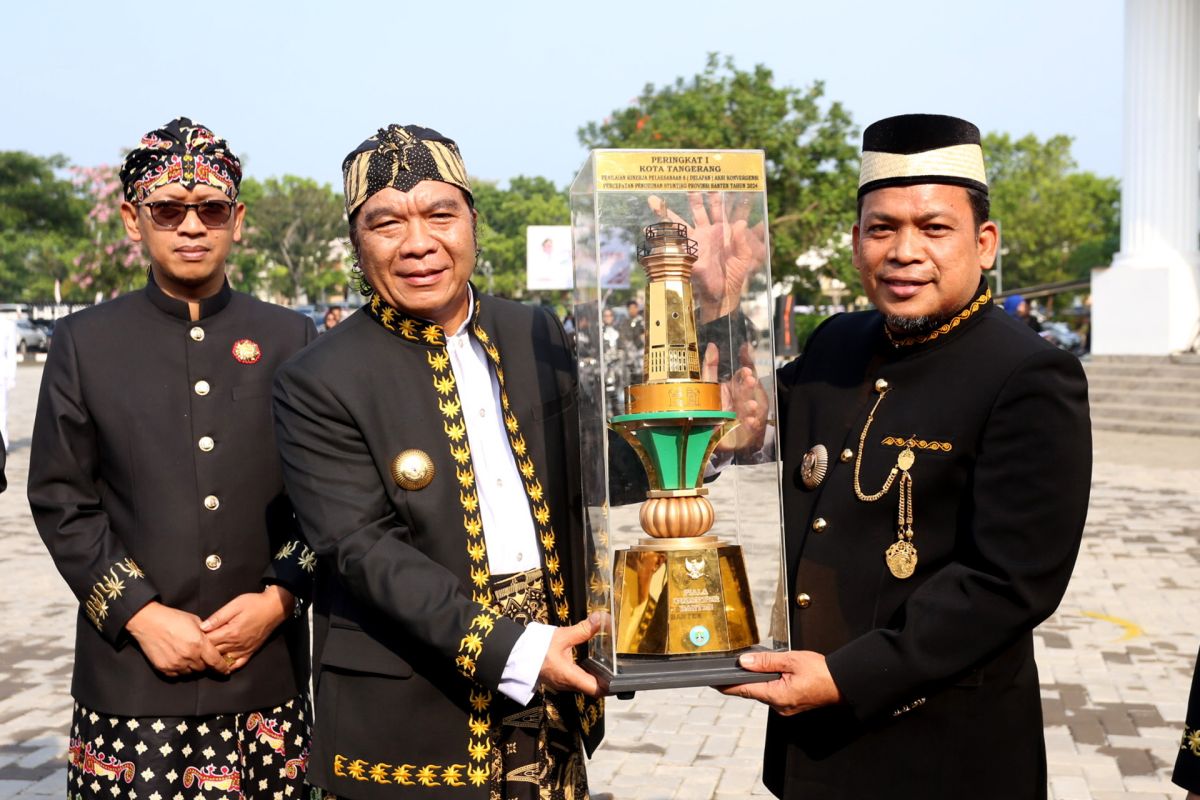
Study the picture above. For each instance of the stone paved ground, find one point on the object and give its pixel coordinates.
(1115, 660)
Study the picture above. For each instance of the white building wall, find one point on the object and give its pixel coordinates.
(1148, 302)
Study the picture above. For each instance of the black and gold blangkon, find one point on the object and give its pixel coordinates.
(901, 555)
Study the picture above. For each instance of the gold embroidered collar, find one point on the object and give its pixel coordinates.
(409, 328)
(945, 328)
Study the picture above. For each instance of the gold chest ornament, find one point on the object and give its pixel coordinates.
(814, 466)
(412, 469)
(901, 555)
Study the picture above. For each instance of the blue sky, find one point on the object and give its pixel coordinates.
(295, 86)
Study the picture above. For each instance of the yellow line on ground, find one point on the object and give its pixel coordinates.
(1132, 629)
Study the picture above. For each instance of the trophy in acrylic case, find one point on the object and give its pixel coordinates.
(680, 481)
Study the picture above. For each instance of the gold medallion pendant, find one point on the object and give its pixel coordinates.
(814, 466)
(902, 558)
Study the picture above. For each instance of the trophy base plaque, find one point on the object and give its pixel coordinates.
(682, 596)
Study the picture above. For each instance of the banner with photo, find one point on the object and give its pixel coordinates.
(548, 257)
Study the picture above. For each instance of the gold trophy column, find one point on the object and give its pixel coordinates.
(678, 591)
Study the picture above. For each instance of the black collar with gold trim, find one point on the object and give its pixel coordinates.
(982, 301)
(414, 329)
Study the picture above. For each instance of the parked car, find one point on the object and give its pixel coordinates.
(31, 338)
(1061, 336)
(317, 312)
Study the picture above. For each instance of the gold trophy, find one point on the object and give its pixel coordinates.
(679, 591)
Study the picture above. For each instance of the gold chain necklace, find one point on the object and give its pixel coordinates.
(901, 555)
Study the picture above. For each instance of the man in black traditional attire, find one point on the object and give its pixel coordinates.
(1187, 761)
(155, 483)
(429, 443)
(936, 425)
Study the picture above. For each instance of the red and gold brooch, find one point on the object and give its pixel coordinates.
(247, 351)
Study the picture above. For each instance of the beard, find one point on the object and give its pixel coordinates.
(913, 326)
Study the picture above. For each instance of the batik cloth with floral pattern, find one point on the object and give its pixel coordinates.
(259, 754)
(534, 755)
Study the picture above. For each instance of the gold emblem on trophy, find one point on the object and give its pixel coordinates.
(679, 590)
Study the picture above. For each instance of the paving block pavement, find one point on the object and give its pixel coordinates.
(1115, 659)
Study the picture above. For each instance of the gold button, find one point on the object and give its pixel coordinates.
(846, 455)
(211, 502)
(197, 334)
(819, 524)
(213, 562)
(206, 443)
(881, 385)
(803, 600)
(202, 388)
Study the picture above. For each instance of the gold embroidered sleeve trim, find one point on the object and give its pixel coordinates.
(110, 587)
(430, 775)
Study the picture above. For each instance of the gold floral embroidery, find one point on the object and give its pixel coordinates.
(942, 330)
(1191, 741)
(920, 444)
(307, 558)
(110, 587)
(403, 774)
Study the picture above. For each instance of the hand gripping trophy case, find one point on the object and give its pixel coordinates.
(681, 482)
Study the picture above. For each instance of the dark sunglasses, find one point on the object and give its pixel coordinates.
(171, 213)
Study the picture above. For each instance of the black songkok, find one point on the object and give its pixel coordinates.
(400, 157)
(921, 148)
(180, 152)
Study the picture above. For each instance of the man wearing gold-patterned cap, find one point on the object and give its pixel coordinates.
(937, 462)
(429, 445)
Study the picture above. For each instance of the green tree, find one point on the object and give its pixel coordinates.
(1057, 222)
(42, 225)
(108, 263)
(294, 238)
(503, 216)
(811, 162)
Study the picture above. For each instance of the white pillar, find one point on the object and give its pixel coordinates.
(1148, 302)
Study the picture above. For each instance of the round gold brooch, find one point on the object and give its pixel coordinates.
(814, 466)
(412, 469)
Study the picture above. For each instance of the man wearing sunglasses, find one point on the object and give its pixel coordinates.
(155, 483)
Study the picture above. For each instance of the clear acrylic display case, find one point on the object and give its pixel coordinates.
(682, 602)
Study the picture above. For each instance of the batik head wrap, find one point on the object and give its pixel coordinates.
(400, 157)
(921, 148)
(180, 152)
